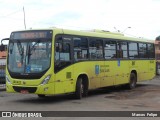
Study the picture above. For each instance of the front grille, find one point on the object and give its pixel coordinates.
(29, 89)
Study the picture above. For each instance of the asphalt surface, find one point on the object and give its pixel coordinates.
(145, 97)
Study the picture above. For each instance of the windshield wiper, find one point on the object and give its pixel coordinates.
(21, 50)
(30, 49)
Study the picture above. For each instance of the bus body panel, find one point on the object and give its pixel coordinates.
(100, 73)
(64, 82)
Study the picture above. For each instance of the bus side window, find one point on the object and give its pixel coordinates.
(63, 51)
(58, 51)
(58, 47)
(133, 50)
(80, 48)
(96, 48)
(122, 50)
(151, 51)
(66, 52)
(142, 50)
(110, 49)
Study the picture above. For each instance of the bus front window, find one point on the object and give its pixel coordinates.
(29, 57)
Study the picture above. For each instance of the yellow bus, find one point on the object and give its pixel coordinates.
(59, 61)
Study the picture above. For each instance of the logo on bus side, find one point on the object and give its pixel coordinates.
(119, 62)
(97, 69)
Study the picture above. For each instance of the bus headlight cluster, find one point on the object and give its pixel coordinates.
(46, 79)
(8, 80)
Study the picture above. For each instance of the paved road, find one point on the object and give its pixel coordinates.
(146, 97)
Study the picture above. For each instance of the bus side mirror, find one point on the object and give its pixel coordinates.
(2, 47)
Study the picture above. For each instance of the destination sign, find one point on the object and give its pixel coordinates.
(31, 34)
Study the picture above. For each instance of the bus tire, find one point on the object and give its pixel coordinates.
(133, 81)
(41, 96)
(79, 88)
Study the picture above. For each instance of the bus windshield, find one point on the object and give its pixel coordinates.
(29, 56)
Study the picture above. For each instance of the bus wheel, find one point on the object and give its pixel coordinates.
(41, 96)
(79, 89)
(133, 81)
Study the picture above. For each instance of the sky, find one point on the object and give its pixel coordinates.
(135, 18)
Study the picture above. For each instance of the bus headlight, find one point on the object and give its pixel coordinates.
(46, 79)
(8, 80)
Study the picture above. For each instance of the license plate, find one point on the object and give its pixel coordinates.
(24, 91)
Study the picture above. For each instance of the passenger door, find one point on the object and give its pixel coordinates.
(63, 65)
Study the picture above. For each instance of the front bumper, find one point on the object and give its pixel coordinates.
(47, 89)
